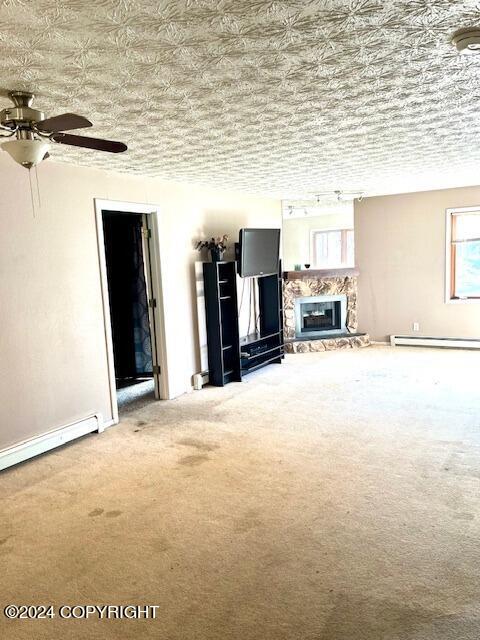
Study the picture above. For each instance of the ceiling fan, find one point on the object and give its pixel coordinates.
(33, 132)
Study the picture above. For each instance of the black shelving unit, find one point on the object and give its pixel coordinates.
(220, 282)
(266, 346)
(231, 358)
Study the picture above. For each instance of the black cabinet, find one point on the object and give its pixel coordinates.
(230, 358)
(220, 282)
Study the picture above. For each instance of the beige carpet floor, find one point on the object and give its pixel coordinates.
(333, 497)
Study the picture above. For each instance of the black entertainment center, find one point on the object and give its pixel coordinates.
(229, 356)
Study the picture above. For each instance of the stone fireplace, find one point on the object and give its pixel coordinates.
(320, 310)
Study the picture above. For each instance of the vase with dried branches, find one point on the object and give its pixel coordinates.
(216, 246)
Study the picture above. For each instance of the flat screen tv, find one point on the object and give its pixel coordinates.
(259, 251)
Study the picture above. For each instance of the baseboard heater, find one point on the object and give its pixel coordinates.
(47, 441)
(200, 379)
(427, 341)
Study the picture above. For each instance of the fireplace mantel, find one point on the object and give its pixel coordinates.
(320, 274)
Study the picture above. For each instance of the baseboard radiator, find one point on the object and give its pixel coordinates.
(200, 379)
(47, 441)
(427, 341)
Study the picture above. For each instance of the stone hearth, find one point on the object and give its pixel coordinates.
(301, 284)
(328, 344)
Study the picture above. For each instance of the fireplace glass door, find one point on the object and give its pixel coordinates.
(320, 316)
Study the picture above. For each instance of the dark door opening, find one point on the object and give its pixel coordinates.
(129, 305)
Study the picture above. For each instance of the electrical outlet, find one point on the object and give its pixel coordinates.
(416, 326)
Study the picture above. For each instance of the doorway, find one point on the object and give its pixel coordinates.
(129, 266)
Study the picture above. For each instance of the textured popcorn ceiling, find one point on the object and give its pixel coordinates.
(281, 97)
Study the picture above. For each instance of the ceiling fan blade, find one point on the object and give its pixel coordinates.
(89, 143)
(63, 122)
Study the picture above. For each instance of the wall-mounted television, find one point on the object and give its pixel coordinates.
(258, 252)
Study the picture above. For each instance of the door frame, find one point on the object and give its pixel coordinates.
(157, 332)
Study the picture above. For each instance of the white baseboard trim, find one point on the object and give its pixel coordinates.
(47, 441)
(427, 341)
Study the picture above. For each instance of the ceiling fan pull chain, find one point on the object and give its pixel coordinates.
(31, 191)
(38, 188)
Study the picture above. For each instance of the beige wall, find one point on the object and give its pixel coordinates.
(297, 231)
(52, 343)
(400, 251)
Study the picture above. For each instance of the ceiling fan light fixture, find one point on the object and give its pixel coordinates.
(28, 153)
(29, 125)
(467, 41)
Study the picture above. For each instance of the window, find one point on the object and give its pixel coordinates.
(463, 254)
(333, 248)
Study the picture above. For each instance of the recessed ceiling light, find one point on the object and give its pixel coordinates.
(467, 41)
